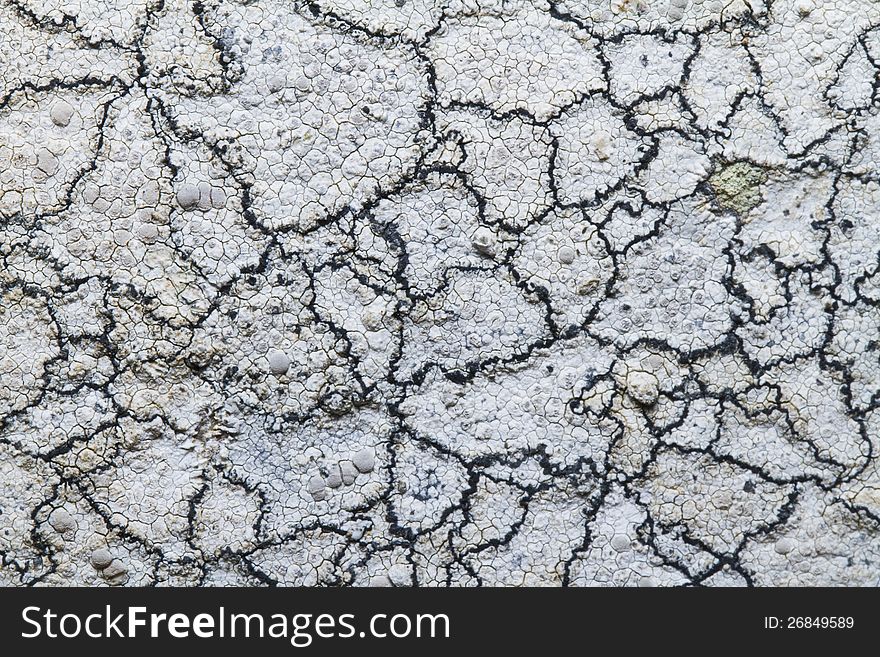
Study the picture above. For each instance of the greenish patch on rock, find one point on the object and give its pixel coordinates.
(738, 186)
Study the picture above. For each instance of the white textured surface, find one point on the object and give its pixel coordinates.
(440, 292)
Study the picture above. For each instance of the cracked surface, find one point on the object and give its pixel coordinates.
(440, 292)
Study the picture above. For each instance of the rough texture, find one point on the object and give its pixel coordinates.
(440, 292)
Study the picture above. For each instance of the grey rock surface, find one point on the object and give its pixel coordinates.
(440, 292)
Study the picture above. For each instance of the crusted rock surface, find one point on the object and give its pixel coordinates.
(440, 292)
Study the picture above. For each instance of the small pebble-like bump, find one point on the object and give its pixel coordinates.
(61, 113)
(586, 283)
(804, 7)
(334, 477)
(188, 196)
(46, 161)
(148, 233)
(620, 543)
(317, 488)
(602, 145)
(279, 362)
(639, 278)
(372, 319)
(101, 558)
(484, 241)
(566, 255)
(62, 521)
(675, 11)
(349, 472)
(642, 387)
(218, 197)
(365, 460)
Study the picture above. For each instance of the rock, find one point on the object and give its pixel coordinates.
(334, 477)
(62, 521)
(642, 387)
(400, 575)
(373, 319)
(279, 362)
(365, 460)
(620, 543)
(484, 241)
(675, 10)
(148, 233)
(188, 197)
(61, 113)
(211, 196)
(380, 581)
(317, 488)
(602, 145)
(804, 7)
(115, 573)
(337, 404)
(566, 255)
(349, 472)
(101, 558)
(276, 83)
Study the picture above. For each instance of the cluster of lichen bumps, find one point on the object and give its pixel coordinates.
(439, 292)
